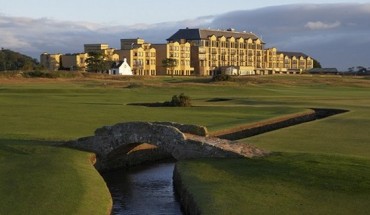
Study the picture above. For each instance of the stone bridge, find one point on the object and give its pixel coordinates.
(113, 145)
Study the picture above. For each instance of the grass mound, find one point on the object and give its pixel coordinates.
(49, 180)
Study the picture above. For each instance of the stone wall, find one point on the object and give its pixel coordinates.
(267, 126)
(185, 128)
(122, 137)
(275, 124)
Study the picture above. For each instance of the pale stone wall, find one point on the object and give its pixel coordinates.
(165, 136)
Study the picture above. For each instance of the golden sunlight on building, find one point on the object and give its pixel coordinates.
(216, 51)
(196, 52)
(74, 62)
(103, 48)
(51, 62)
(141, 56)
(179, 51)
(213, 49)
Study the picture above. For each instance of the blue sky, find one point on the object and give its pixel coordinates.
(336, 33)
(123, 12)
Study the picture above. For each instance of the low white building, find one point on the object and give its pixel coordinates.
(121, 68)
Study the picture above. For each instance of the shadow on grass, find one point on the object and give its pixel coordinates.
(175, 80)
(29, 142)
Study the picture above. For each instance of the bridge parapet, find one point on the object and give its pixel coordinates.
(166, 136)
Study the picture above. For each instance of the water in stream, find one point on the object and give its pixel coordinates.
(143, 190)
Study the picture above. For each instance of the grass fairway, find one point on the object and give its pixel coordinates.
(39, 179)
(322, 166)
(285, 183)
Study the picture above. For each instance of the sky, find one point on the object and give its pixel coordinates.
(123, 12)
(337, 33)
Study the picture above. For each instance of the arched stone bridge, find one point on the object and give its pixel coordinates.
(177, 140)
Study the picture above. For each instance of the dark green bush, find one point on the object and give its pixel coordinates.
(56, 74)
(179, 101)
(221, 77)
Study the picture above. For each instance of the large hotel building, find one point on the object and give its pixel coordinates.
(197, 52)
(216, 50)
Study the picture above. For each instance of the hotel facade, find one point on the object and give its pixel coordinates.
(200, 52)
(214, 50)
(180, 52)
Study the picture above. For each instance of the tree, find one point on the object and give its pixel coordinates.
(10, 61)
(316, 64)
(169, 63)
(96, 62)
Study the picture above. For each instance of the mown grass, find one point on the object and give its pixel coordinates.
(284, 183)
(39, 179)
(320, 167)
(63, 111)
(36, 178)
(36, 111)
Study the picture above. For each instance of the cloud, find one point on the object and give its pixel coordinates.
(335, 34)
(321, 25)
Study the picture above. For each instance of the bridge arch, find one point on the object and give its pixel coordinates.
(171, 139)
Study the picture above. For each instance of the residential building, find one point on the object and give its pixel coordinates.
(179, 51)
(103, 48)
(274, 62)
(141, 56)
(297, 62)
(74, 61)
(121, 68)
(212, 49)
(51, 62)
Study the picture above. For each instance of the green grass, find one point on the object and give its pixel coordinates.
(46, 111)
(318, 157)
(67, 111)
(39, 179)
(285, 183)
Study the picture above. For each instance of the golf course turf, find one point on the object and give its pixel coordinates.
(320, 167)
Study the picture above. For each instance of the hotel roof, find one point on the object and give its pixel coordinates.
(198, 34)
(293, 54)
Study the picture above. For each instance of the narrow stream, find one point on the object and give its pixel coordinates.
(146, 189)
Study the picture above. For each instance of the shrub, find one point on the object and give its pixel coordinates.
(54, 74)
(221, 77)
(179, 101)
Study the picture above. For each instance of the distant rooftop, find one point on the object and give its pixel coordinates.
(292, 54)
(198, 34)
